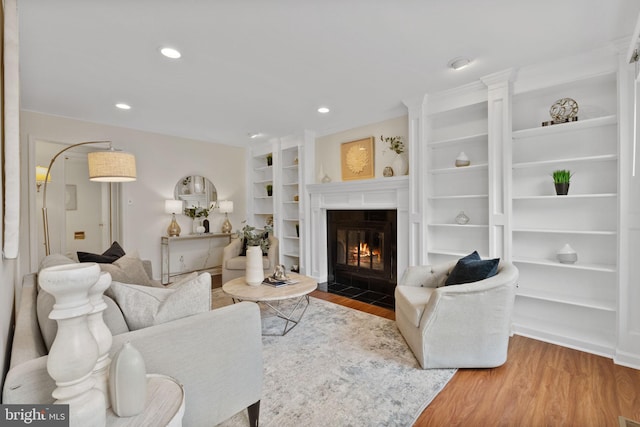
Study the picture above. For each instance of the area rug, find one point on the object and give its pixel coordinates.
(341, 367)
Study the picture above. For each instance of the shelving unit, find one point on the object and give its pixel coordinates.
(290, 191)
(284, 209)
(452, 189)
(571, 304)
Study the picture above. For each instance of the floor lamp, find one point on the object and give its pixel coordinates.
(104, 166)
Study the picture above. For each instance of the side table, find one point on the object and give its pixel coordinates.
(164, 405)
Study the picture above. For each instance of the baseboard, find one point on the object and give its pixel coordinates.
(627, 359)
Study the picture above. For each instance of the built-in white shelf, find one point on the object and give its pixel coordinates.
(458, 254)
(470, 168)
(604, 157)
(460, 225)
(263, 181)
(479, 137)
(566, 231)
(577, 266)
(567, 197)
(565, 127)
(461, 196)
(569, 300)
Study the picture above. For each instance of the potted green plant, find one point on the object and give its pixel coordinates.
(561, 179)
(269, 159)
(269, 188)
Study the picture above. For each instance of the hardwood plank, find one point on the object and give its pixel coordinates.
(541, 384)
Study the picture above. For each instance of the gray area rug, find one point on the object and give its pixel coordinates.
(341, 367)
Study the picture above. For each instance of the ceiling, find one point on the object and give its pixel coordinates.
(265, 66)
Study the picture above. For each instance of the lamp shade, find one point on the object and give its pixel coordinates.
(225, 206)
(41, 174)
(173, 206)
(111, 166)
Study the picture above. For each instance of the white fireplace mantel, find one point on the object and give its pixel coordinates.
(385, 193)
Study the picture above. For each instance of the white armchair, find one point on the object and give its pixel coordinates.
(458, 326)
(233, 264)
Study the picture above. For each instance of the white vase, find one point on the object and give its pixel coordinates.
(127, 382)
(400, 165)
(567, 255)
(254, 273)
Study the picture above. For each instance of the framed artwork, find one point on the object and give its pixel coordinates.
(357, 159)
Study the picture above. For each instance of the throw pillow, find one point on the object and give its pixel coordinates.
(129, 269)
(110, 255)
(144, 306)
(472, 269)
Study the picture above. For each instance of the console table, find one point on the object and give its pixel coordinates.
(167, 242)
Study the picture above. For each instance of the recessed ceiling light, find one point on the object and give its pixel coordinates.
(170, 52)
(323, 110)
(123, 106)
(254, 135)
(459, 63)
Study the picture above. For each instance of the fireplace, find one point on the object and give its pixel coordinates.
(362, 249)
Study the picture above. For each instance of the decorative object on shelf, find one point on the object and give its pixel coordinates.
(357, 158)
(296, 198)
(387, 171)
(269, 188)
(269, 159)
(297, 230)
(226, 207)
(562, 111)
(400, 164)
(295, 268)
(567, 255)
(462, 218)
(172, 207)
(197, 213)
(462, 160)
(104, 166)
(206, 225)
(561, 180)
(326, 179)
(128, 382)
(295, 160)
(269, 221)
(198, 184)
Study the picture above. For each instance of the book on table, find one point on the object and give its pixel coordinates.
(276, 283)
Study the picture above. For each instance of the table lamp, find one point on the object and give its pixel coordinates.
(226, 207)
(171, 207)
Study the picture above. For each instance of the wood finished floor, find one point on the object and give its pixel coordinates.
(540, 385)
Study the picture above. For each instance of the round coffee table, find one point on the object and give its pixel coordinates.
(272, 296)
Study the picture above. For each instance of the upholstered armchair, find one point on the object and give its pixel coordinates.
(456, 326)
(233, 264)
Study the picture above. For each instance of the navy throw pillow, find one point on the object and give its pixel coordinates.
(108, 257)
(472, 269)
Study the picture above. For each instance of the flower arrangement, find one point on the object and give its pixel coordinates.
(255, 237)
(197, 212)
(396, 143)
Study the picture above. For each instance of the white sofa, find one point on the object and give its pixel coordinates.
(216, 355)
(458, 326)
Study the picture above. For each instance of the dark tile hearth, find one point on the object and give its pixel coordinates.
(370, 297)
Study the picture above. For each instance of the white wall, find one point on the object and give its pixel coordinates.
(327, 152)
(161, 161)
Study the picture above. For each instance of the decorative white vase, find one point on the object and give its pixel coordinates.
(462, 160)
(567, 255)
(128, 382)
(254, 273)
(400, 164)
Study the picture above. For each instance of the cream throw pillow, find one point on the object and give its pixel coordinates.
(129, 269)
(144, 306)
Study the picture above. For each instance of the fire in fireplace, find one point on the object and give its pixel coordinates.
(362, 248)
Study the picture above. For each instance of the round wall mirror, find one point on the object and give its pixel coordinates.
(196, 191)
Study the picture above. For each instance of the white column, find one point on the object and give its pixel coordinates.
(500, 142)
(74, 352)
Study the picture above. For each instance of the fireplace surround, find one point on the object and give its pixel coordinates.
(373, 194)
